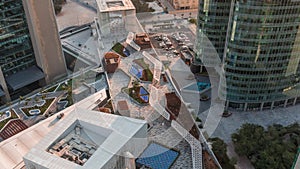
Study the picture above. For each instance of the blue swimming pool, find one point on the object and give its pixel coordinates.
(198, 86)
(126, 52)
(136, 72)
(156, 156)
(202, 85)
(143, 91)
(145, 98)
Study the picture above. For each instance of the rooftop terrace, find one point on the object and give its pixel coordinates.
(114, 5)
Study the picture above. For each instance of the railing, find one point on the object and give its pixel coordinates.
(154, 98)
(196, 146)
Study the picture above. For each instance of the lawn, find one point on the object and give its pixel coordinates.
(118, 47)
(13, 116)
(41, 108)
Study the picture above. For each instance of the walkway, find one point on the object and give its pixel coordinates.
(195, 144)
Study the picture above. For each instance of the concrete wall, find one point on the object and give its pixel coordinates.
(135, 145)
(45, 39)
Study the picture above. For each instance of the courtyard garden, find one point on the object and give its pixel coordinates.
(138, 93)
(12, 115)
(120, 49)
(37, 109)
(141, 70)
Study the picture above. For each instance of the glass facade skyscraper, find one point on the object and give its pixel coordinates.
(16, 51)
(30, 49)
(258, 42)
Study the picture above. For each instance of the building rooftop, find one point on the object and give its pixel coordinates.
(80, 43)
(99, 135)
(14, 148)
(114, 5)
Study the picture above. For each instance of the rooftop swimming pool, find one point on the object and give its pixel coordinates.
(126, 52)
(144, 95)
(199, 86)
(156, 156)
(202, 86)
(137, 72)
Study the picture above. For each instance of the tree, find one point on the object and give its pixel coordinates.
(273, 148)
(193, 21)
(245, 145)
(58, 5)
(219, 148)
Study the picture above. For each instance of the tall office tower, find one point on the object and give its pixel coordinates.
(30, 50)
(259, 43)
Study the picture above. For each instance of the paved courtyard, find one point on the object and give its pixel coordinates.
(68, 17)
(283, 116)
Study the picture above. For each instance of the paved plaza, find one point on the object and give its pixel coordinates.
(68, 17)
(283, 116)
(210, 112)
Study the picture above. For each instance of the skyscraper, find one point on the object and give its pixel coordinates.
(30, 50)
(258, 42)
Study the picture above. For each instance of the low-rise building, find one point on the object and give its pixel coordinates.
(111, 15)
